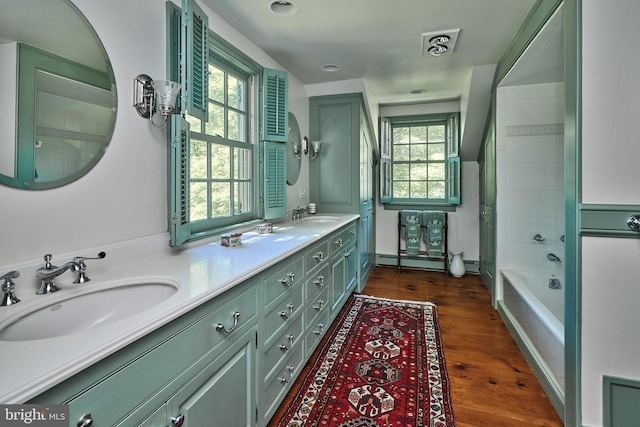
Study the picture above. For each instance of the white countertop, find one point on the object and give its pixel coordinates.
(202, 271)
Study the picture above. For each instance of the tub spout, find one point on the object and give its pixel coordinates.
(553, 257)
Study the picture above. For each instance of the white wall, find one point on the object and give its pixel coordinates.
(610, 153)
(8, 79)
(124, 196)
(463, 223)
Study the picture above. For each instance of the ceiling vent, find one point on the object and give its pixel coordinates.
(438, 43)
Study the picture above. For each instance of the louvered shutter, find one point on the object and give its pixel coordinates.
(275, 180)
(453, 135)
(179, 227)
(385, 180)
(453, 180)
(275, 112)
(194, 60)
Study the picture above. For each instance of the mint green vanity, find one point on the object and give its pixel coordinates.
(230, 360)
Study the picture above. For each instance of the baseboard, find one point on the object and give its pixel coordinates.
(539, 368)
(422, 263)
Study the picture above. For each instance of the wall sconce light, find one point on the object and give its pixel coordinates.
(147, 93)
(315, 147)
(301, 146)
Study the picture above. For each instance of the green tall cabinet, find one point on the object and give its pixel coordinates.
(341, 176)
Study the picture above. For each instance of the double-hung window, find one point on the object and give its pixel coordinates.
(213, 151)
(420, 163)
(221, 171)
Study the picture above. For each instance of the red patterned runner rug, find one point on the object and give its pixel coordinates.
(382, 366)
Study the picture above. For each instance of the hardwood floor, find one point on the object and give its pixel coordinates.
(491, 383)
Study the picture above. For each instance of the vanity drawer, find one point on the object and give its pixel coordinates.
(283, 280)
(315, 306)
(317, 255)
(315, 330)
(277, 387)
(343, 237)
(318, 281)
(283, 313)
(282, 346)
(115, 395)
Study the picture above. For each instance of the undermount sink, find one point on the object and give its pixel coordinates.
(89, 310)
(320, 218)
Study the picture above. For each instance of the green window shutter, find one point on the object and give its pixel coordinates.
(453, 180)
(453, 135)
(275, 180)
(179, 227)
(385, 138)
(194, 60)
(275, 111)
(385, 180)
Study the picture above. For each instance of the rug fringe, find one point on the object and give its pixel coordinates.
(404, 301)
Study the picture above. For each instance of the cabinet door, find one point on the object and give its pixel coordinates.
(351, 271)
(338, 284)
(222, 394)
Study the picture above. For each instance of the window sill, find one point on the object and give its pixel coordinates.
(398, 206)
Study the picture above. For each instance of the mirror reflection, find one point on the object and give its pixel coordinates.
(293, 161)
(59, 106)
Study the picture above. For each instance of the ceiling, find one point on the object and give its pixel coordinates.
(381, 41)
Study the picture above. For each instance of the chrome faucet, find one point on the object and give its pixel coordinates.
(8, 295)
(553, 257)
(298, 213)
(49, 272)
(538, 238)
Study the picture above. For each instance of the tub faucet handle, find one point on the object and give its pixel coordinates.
(538, 238)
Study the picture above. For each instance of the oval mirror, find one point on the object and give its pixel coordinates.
(59, 94)
(294, 144)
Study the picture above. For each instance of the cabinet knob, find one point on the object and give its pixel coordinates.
(634, 222)
(319, 306)
(319, 281)
(320, 329)
(319, 256)
(338, 242)
(177, 421)
(85, 421)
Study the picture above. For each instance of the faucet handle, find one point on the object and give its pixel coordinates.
(9, 297)
(47, 261)
(82, 271)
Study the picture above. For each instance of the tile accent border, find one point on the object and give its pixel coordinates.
(536, 130)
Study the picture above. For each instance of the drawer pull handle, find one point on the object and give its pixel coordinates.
(320, 305)
(283, 347)
(85, 421)
(288, 281)
(319, 256)
(220, 326)
(291, 339)
(353, 232)
(319, 281)
(284, 380)
(338, 242)
(284, 313)
(320, 329)
(177, 421)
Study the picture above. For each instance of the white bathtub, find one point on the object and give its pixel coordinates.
(535, 313)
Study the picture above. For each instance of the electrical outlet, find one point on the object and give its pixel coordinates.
(303, 193)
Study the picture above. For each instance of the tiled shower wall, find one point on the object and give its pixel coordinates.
(530, 176)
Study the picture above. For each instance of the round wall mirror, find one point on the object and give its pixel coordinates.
(293, 160)
(59, 94)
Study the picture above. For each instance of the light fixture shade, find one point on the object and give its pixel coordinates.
(315, 147)
(166, 92)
